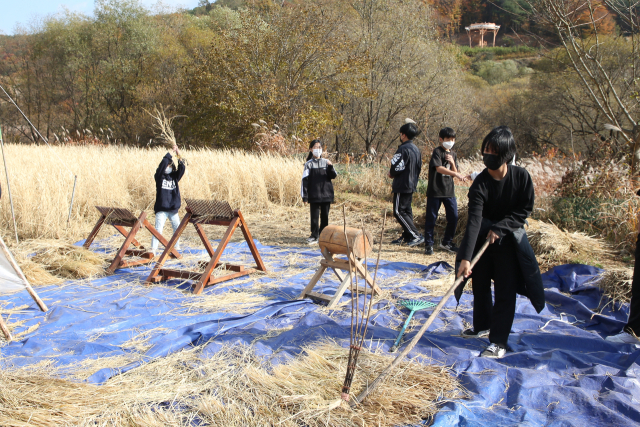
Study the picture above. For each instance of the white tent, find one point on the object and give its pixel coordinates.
(13, 280)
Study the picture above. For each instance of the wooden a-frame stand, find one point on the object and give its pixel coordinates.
(340, 264)
(120, 218)
(208, 212)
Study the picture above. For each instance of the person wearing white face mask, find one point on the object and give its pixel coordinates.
(443, 167)
(317, 188)
(168, 200)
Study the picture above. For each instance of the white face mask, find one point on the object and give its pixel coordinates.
(168, 170)
(448, 144)
(317, 152)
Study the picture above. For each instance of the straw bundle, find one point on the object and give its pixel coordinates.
(51, 261)
(553, 246)
(231, 388)
(616, 284)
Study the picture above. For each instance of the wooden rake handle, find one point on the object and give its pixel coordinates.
(416, 338)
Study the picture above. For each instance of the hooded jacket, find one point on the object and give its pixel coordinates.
(316, 181)
(406, 165)
(167, 190)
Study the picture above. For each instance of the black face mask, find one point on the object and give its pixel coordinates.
(491, 161)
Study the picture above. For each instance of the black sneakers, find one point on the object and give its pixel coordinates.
(428, 250)
(415, 242)
(494, 351)
(449, 247)
(398, 241)
(470, 333)
(312, 240)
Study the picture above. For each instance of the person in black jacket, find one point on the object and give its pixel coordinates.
(500, 200)
(317, 188)
(168, 200)
(406, 165)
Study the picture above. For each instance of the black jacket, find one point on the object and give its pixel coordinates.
(406, 165)
(167, 190)
(316, 181)
(529, 283)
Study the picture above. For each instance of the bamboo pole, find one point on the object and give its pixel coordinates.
(417, 337)
(5, 329)
(6, 171)
(18, 271)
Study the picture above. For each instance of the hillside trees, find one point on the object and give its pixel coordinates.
(605, 66)
(288, 67)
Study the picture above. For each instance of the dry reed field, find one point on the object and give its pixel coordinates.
(42, 185)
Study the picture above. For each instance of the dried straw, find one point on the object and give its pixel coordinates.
(53, 261)
(230, 388)
(616, 284)
(553, 246)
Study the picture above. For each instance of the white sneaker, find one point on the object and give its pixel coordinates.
(623, 338)
(495, 351)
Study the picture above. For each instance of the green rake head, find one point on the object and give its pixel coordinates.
(415, 304)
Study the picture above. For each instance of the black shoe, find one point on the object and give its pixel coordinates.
(312, 240)
(449, 247)
(494, 351)
(428, 250)
(470, 333)
(415, 242)
(398, 241)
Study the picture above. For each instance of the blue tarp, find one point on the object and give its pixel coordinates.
(560, 371)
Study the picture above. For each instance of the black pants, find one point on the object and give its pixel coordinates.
(451, 210)
(499, 263)
(322, 210)
(404, 214)
(633, 325)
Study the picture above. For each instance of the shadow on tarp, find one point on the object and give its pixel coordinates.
(559, 371)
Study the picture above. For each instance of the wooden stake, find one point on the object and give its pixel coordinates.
(5, 330)
(15, 266)
(417, 337)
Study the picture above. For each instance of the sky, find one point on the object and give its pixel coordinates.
(22, 12)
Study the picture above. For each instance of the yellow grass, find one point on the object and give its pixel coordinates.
(123, 176)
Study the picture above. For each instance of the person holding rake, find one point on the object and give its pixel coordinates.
(500, 200)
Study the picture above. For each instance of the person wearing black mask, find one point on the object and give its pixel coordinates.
(406, 165)
(500, 200)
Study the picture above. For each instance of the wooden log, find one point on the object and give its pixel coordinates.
(333, 240)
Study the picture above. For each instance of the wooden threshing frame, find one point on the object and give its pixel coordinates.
(120, 218)
(208, 212)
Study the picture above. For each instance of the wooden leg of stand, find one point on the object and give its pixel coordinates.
(313, 282)
(161, 239)
(339, 292)
(168, 248)
(369, 279)
(94, 232)
(124, 232)
(329, 257)
(5, 330)
(252, 245)
(205, 239)
(127, 242)
(214, 261)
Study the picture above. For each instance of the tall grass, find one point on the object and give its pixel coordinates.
(122, 176)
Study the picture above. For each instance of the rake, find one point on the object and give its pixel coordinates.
(413, 305)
